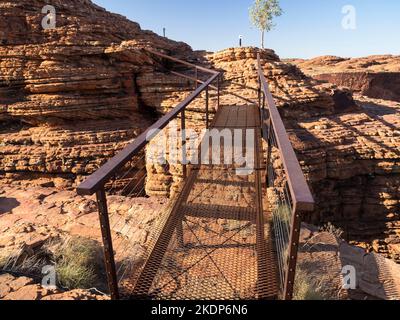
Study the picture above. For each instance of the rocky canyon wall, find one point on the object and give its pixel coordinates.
(72, 96)
(349, 150)
(374, 76)
(384, 85)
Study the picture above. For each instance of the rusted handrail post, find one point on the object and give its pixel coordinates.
(184, 150)
(293, 254)
(108, 245)
(218, 92)
(207, 109)
(196, 72)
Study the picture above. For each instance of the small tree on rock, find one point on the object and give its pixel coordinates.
(262, 14)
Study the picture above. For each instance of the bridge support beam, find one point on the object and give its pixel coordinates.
(293, 254)
(184, 148)
(107, 243)
(218, 92)
(207, 109)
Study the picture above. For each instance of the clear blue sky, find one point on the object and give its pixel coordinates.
(308, 28)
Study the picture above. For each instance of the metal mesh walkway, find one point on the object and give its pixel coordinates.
(216, 242)
(212, 238)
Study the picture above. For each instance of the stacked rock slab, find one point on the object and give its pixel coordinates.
(373, 76)
(361, 149)
(349, 151)
(72, 96)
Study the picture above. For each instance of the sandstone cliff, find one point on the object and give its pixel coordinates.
(373, 76)
(349, 151)
(297, 95)
(23, 288)
(72, 96)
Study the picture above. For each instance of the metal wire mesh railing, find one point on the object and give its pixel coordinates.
(136, 234)
(281, 206)
(288, 192)
(130, 175)
(137, 187)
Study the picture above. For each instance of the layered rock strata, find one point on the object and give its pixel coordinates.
(23, 288)
(373, 76)
(72, 96)
(349, 150)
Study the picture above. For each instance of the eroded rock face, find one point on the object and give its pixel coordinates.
(349, 150)
(376, 277)
(297, 96)
(374, 76)
(373, 64)
(72, 96)
(352, 163)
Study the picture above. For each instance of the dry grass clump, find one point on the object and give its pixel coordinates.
(306, 287)
(78, 262)
(330, 228)
(18, 261)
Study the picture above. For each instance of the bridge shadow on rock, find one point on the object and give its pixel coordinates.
(8, 204)
(375, 277)
(354, 167)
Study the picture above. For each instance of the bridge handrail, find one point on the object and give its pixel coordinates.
(188, 64)
(97, 180)
(96, 183)
(294, 197)
(300, 191)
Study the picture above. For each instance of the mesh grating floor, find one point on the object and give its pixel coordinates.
(216, 243)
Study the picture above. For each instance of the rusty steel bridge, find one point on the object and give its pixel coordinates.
(223, 235)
